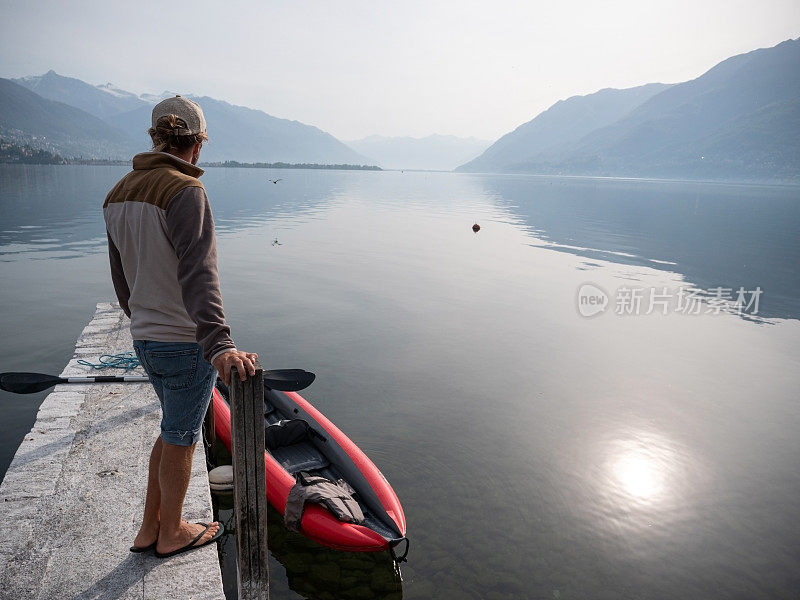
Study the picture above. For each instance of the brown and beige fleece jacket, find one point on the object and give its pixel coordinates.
(163, 254)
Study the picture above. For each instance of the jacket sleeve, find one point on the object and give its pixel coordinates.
(118, 276)
(190, 228)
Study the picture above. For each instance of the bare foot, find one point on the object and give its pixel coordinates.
(147, 536)
(184, 535)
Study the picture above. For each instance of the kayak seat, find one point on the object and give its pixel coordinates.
(289, 442)
(302, 456)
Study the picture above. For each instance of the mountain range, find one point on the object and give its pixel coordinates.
(28, 118)
(434, 152)
(739, 120)
(74, 118)
(565, 122)
(243, 134)
(102, 101)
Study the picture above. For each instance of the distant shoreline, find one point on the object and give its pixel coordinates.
(282, 165)
(42, 159)
(23, 154)
(232, 164)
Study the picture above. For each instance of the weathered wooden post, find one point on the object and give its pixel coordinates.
(249, 484)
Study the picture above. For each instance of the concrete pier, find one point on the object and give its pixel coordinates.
(72, 498)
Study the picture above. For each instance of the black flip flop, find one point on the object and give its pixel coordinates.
(191, 545)
(138, 550)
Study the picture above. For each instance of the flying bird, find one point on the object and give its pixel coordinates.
(275, 180)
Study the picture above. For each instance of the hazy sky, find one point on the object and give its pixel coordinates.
(393, 68)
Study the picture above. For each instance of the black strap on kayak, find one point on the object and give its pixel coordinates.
(400, 559)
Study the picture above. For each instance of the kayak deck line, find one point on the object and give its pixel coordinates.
(74, 493)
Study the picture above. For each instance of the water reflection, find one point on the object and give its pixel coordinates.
(54, 212)
(712, 234)
(244, 198)
(537, 454)
(641, 470)
(638, 475)
(645, 489)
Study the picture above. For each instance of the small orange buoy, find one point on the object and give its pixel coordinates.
(476, 228)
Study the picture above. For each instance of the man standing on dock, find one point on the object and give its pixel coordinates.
(162, 248)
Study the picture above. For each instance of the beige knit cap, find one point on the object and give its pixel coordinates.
(185, 109)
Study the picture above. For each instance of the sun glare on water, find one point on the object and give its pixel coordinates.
(638, 475)
(642, 468)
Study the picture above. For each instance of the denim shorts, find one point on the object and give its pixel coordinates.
(183, 381)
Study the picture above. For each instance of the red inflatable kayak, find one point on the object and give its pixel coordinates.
(330, 453)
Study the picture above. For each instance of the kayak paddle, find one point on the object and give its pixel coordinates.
(285, 380)
(28, 383)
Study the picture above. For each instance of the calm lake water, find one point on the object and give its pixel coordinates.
(537, 452)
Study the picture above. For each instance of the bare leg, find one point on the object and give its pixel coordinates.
(148, 532)
(174, 473)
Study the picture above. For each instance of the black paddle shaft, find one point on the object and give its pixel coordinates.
(285, 380)
(29, 383)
